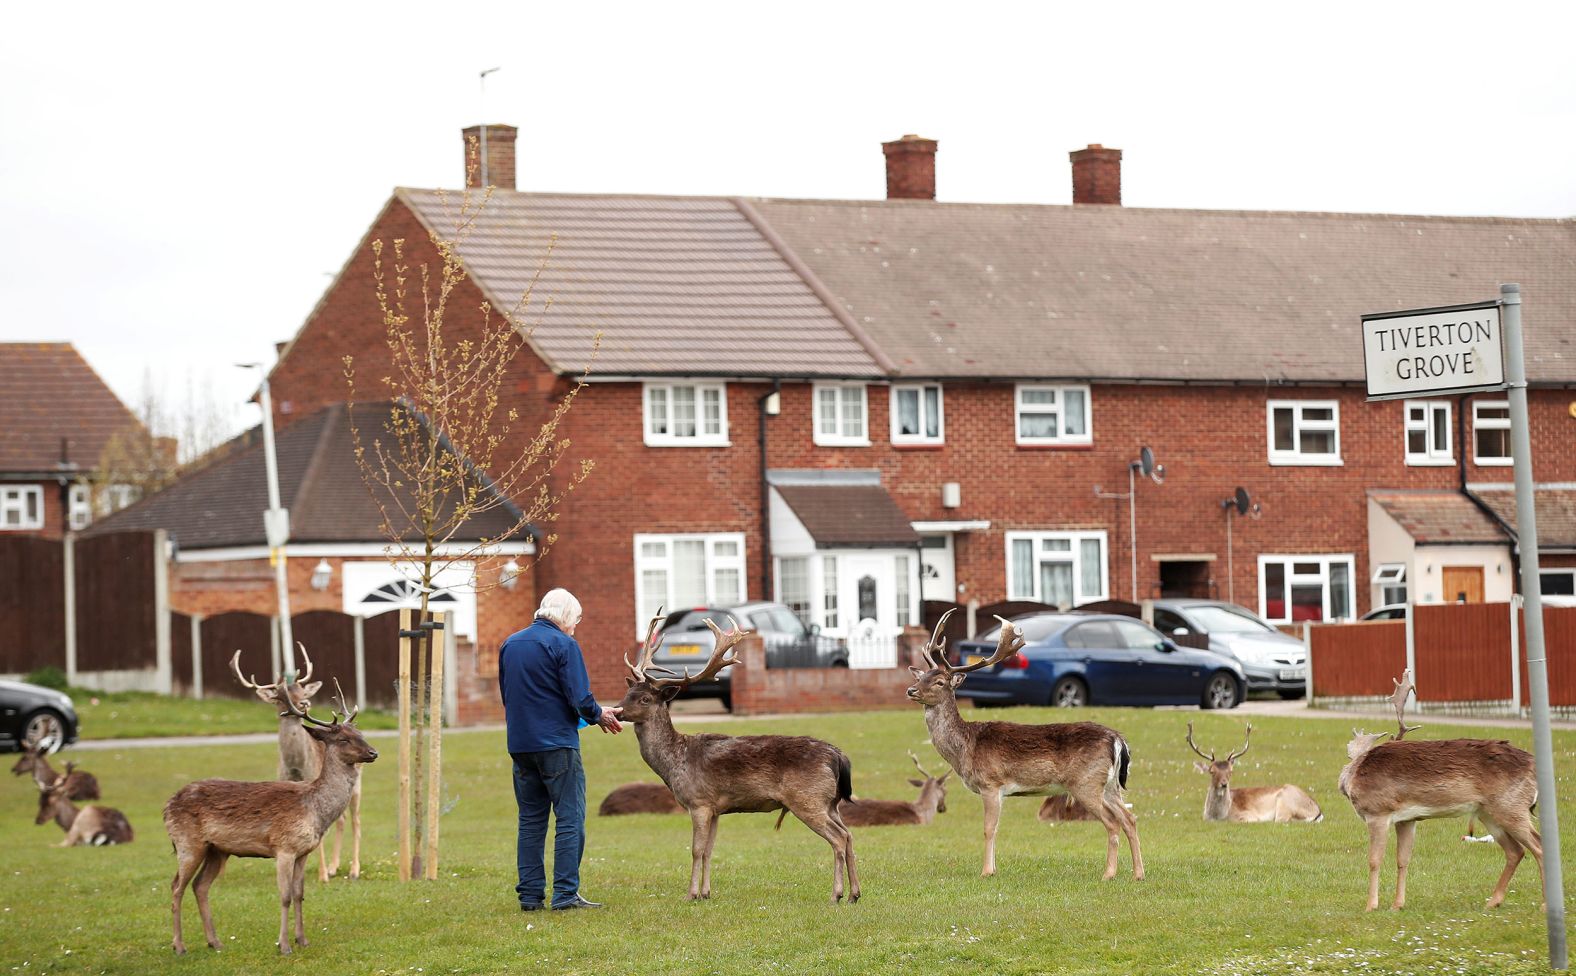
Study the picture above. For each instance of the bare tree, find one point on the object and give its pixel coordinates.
(443, 455)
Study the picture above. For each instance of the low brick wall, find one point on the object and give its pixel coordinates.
(759, 690)
(476, 685)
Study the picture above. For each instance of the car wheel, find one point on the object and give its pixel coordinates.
(1289, 695)
(727, 702)
(840, 663)
(1070, 693)
(1221, 692)
(44, 724)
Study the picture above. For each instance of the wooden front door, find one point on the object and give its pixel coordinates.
(1463, 584)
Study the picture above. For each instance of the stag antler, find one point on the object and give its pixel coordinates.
(1195, 748)
(922, 770)
(718, 660)
(648, 647)
(1010, 642)
(1243, 751)
(935, 649)
(235, 665)
(303, 714)
(303, 679)
(350, 714)
(1403, 688)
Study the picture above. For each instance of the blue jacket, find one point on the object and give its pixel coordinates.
(545, 689)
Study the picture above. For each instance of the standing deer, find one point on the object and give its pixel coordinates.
(996, 759)
(639, 798)
(881, 813)
(716, 774)
(90, 826)
(79, 785)
(1401, 783)
(300, 755)
(1252, 804)
(212, 820)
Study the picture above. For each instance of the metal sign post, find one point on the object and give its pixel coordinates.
(1531, 589)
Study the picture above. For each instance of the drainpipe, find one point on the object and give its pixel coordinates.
(1484, 507)
(767, 405)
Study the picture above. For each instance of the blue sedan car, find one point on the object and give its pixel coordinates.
(1072, 659)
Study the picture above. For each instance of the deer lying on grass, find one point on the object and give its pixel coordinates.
(300, 756)
(79, 785)
(1062, 807)
(1251, 804)
(881, 813)
(1401, 783)
(212, 820)
(639, 798)
(711, 774)
(996, 759)
(90, 826)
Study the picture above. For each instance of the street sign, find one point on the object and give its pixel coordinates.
(1434, 351)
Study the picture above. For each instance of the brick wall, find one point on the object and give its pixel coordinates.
(759, 690)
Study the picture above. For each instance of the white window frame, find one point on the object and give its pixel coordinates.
(1296, 456)
(714, 562)
(918, 389)
(1322, 578)
(79, 507)
(13, 503)
(839, 438)
(1387, 577)
(1075, 556)
(1434, 455)
(1557, 571)
(701, 437)
(1063, 436)
(1491, 423)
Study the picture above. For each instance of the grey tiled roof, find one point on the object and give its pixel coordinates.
(972, 290)
(676, 285)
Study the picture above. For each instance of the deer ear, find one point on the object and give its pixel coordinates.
(916, 672)
(268, 693)
(916, 782)
(669, 693)
(315, 731)
(945, 776)
(1200, 766)
(630, 682)
(311, 690)
(957, 679)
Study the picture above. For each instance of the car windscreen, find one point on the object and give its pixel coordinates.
(1034, 629)
(696, 620)
(1223, 620)
(777, 620)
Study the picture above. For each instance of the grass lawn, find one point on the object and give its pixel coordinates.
(1218, 899)
(139, 714)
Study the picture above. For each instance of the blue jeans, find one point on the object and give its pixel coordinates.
(541, 779)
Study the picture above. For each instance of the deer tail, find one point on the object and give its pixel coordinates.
(845, 778)
(1124, 758)
(780, 818)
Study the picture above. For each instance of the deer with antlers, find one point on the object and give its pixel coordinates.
(883, 813)
(300, 755)
(90, 826)
(997, 759)
(1402, 782)
(711, 775)
(212, 820)
(79, 785)
(1251, 804)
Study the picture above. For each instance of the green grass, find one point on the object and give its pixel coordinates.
(141, 714)
(1219, 898)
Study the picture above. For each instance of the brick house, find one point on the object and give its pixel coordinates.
(779, 385)
(56, 418)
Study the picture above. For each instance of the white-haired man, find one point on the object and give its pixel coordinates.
(546, 693)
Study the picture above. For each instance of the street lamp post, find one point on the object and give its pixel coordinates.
(276, 527)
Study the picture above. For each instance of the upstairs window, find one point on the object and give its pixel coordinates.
(1304, 432)
(22, 508)
(1052, 414)
(79, 511)
(686, 415)
(916, 414)
(840, 415)
(1491, 432)
(1428, 433)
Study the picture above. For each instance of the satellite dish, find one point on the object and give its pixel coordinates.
(1146, 461)
(1242, 501)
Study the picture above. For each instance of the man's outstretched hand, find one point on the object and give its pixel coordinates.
(609, 720)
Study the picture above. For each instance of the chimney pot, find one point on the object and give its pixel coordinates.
(1097, 175)
(910, 168)
(495, 156)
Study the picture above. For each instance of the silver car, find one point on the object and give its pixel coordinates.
(1271, 660)
(686, 642)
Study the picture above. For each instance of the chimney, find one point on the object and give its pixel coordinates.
(1097, 175)
(911, 168)
(495, 156)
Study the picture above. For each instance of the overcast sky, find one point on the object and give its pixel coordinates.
(177, 184)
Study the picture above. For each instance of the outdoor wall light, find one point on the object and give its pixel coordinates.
(322, 575)
(509, 575)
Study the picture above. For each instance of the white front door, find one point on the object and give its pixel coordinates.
(937, 576)
(869, 594)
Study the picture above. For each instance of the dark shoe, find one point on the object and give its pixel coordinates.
(537, 907)
(577, 902)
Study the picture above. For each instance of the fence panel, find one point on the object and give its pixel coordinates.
(1357, 659)
(225, 633)
(116, 604)
(181, 653)
(1462, 651)
(381, 636)
(330, 641)
(32, 604)
(1559, 645)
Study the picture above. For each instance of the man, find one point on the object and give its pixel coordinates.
(546, 695)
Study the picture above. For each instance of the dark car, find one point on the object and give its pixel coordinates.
(687, 642)
(32, 713)
(1071, 659)
(1272, 661)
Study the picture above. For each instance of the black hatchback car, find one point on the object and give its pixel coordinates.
(30, 714)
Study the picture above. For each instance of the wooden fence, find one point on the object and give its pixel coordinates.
(32, 604)
(1466, 658)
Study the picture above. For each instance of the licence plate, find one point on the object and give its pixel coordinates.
(974, 659)
(1293, 674)
(685, 650)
